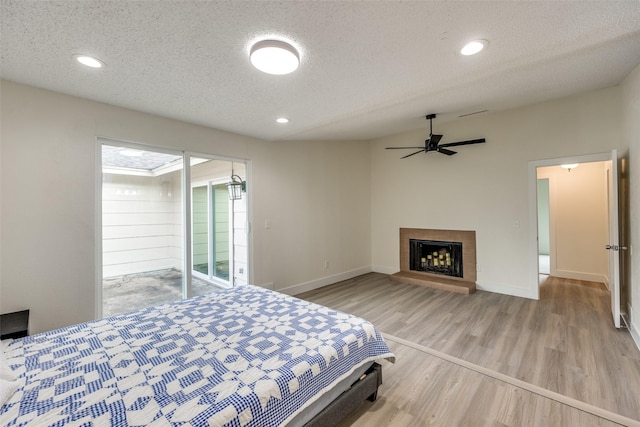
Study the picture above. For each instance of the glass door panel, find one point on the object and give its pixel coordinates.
(221, 231)
(200, 229)
(211, 224)
(210, 213)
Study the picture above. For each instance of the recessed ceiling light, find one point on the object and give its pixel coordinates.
(274, 57)
(282, 120)
(89, 61)
(473, 47)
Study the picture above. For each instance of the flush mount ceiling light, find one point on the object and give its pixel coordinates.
(570, 166)
(473, 47)
(89, 61)
(274, 57)
(282, 120)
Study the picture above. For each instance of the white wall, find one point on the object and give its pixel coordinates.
(578, 207)
(631, 126)
(314, 193)
(318, 213)
(485, 187)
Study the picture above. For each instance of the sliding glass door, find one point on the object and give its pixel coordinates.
(219, 232)
(148, 222)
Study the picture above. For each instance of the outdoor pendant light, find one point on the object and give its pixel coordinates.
(236, 187)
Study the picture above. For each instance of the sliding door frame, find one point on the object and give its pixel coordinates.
(249, 203)
(186, 212)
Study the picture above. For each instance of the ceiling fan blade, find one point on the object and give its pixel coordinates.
(445, 151)
(404, 148)
(412, 154)
(469, 142)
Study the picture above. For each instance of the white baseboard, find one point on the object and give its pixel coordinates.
(385, 270)
(576, 275)
(635, 334)
(324, 281)
(634, 329)
(500, 288)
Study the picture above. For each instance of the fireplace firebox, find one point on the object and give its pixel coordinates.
(436, 257)
(441, 259)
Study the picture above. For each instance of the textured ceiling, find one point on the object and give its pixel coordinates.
(368, 69)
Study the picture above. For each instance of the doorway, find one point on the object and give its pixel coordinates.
(167, 226)
(576, 221)
(581, 224)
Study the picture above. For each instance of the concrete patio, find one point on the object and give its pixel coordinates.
(121, 294)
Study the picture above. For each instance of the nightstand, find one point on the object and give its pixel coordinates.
(14, 325)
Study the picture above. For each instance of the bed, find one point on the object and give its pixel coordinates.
(241, 357)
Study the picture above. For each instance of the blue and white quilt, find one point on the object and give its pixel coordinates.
(243, 357)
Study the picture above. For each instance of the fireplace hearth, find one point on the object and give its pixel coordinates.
(442, 259)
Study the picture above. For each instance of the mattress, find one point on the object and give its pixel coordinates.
(240, 357)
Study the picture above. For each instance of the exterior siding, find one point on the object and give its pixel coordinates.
(141, 223)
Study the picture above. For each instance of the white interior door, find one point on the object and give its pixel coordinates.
(613, 245)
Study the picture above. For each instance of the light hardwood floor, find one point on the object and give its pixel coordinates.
(564, 343)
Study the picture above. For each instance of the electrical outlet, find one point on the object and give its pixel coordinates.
(326, 264)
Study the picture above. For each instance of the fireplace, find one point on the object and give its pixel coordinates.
(437, 257)
(443, 259)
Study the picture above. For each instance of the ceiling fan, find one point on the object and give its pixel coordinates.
(431, 144)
